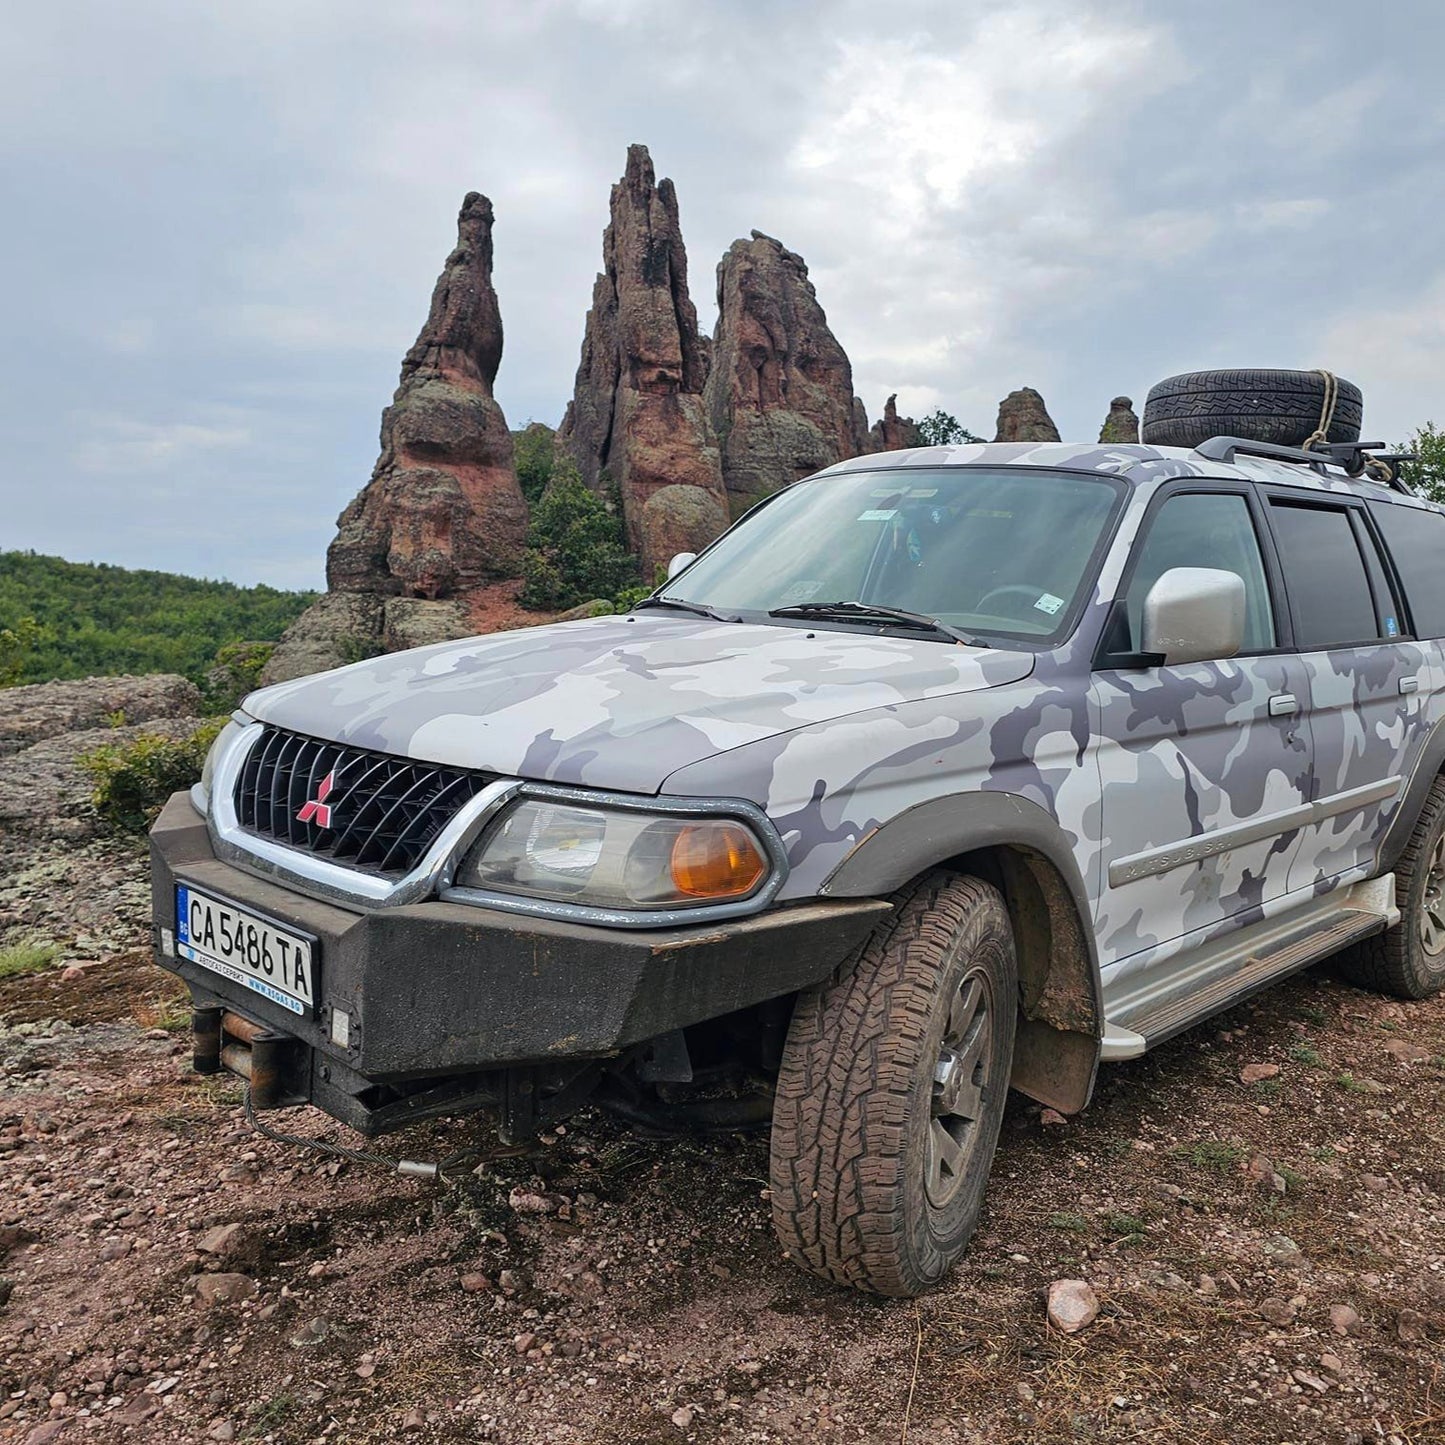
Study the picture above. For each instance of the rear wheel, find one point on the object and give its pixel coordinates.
(1409, 959)
(892, 1091)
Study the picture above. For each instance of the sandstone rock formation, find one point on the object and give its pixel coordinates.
(891, 432)
(637, 412)
(337, 628)
(43, 710)
(442, 512)
(780, 390)
(1023, 417)
(1121, 425)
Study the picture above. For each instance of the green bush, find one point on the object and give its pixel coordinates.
(940, 429)
(574, 548)
(16, 645)
(1427, 472)
(235, 672)
(534, 453)
(134, 779)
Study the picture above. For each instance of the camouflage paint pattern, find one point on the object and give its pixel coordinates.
(834, 733)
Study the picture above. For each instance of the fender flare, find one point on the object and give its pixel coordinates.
(1428, 766)
(1061, 992)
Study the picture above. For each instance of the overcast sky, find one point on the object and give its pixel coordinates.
(222, 222)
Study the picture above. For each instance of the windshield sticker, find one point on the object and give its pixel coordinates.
(1392, 628)
(923, 491)
(878, 515)
(1049, 603)
(801, 591)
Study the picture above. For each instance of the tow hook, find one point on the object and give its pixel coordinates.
(266, 1060)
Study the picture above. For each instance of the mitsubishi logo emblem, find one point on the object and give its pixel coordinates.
(316, 809)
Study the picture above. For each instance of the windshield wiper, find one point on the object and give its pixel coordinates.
(682, 605)
(870, 611)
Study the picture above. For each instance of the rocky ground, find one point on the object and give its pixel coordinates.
(1256, 1209)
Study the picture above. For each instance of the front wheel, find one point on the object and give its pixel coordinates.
(891, 1093)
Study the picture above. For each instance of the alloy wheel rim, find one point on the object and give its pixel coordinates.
(960, 1090)
(1432, 905)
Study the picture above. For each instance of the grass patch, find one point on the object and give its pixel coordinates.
(1124, 1228)
(21, 958)
(1350, 1084)
(1305, 1054)
(1072, 1223)
(1213, 1154)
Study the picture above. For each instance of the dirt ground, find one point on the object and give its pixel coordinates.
(1269, 1256)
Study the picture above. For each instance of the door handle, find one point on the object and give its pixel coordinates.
(1409, 684)
(1282, 704)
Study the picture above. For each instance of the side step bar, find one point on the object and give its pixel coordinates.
(1234, 968)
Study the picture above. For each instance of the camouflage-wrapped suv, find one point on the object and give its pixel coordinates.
(942, 771)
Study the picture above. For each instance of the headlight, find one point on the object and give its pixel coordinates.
(201, 792)
(606, 858)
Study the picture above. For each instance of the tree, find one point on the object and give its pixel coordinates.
(575, 550)
(1427, 472)
(940, 429)
(534, 444)
(16, 645)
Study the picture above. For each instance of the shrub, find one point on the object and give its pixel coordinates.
(236, 671)
(574, 548)
(534, 453)
(940, 429)
(16, 645)
(1427, 472)
(134, 779)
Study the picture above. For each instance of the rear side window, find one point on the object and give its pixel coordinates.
(1324, 572)
(1416, 539)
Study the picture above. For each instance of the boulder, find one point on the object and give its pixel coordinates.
(415, 622)
(46, 709)
(680, 519)
(1023, 417)
(337, 628)
(780, 390)
(1121, 426)
(893, 433)
(442, 512)
(637, 418)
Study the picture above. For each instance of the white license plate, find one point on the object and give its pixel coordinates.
(247, 949)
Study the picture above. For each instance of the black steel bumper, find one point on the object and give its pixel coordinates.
(439, 990)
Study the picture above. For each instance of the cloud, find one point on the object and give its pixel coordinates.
(1396, 355)
(119, 444)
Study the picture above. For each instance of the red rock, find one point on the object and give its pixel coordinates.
(1121, 426)
(1072, 1305)
(893, 433)
(779, 388)
(442, 512)
(1023, 417)
(1258, 1073)
(1345, 1320)
(637, 411)
(223, 1289)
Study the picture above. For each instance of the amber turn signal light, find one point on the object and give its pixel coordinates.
(716, 860)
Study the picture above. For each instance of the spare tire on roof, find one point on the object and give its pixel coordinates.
(1280, 407)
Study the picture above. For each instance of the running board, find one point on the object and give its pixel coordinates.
(1233, 968)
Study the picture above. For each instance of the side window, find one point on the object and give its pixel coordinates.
(1416, 539)
(1324, 573)
(1204, 529)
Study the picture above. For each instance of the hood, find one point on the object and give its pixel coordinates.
(619, 702)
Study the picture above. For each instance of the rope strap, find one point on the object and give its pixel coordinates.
(1321, 435)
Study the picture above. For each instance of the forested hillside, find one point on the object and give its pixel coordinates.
(94, 618)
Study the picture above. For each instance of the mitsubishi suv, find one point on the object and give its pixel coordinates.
(943, 771)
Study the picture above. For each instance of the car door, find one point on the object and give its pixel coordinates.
(1204, 767)
(1362, 699)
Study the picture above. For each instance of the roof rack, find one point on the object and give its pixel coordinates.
(1352, 457)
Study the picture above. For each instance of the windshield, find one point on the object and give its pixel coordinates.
(989, 551)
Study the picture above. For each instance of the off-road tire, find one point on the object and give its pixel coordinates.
(855, 1094)
(1396, 961)
(1279, 407)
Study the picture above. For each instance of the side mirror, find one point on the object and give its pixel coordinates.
(1194, 614)
(683, 559)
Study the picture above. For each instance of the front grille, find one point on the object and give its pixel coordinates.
(379, 813)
